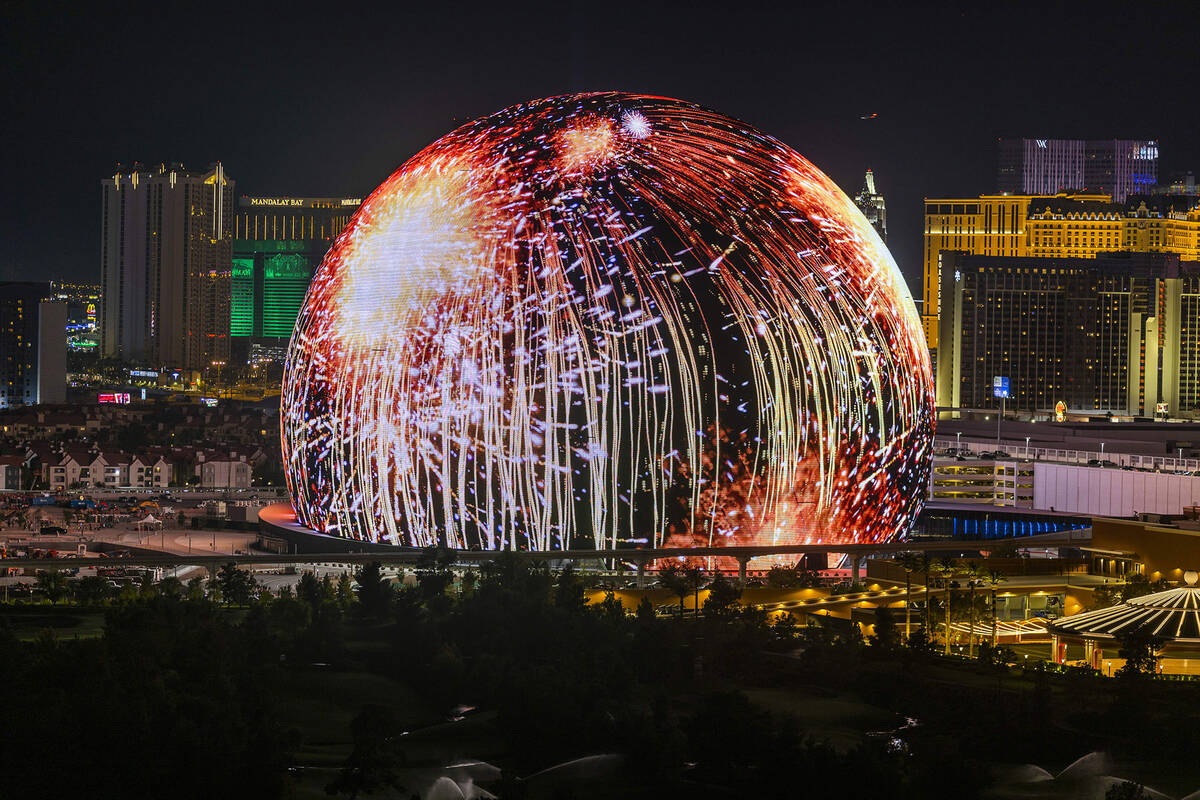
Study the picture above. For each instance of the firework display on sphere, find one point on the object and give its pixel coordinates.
(600, 319)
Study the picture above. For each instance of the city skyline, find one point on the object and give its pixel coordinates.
(290, 111)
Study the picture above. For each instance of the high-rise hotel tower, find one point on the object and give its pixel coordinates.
(1116, 167)
(165, 262)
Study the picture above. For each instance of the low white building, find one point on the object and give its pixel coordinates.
(10, 472)
(224, 472)
(1068, 488)
(1112, 492)
(76, 470)
(150, 473)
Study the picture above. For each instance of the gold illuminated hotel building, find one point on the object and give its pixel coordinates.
(1059, 226)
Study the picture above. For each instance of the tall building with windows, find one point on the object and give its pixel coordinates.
(871, 203)
(1120, 167)
(1059, 226)
(991, 225)
(165, 264)
(83, 313)
(1116, 167)
(1117, 332)
(1039, 166)
(33, 345)
(279, 242)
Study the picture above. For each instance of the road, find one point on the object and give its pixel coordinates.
(213, 557)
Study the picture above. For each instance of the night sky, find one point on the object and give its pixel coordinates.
(332, 100)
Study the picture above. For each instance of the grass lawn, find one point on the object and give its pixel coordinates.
(321, 704)
(65, 622)
(843, 719)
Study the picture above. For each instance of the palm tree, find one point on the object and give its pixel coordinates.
(973, 573)
(993, 577)
(927, 567)
(946, 567)
(696, 578)
(672, 578)
(910, 563)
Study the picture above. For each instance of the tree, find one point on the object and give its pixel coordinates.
(195, 588)
(910, 563)
(53, 584)
(722, 598)
(694, 573)
(779, 577)
(645, 611)
(784, 627)
(237, 585)
(946, 568)
(885, 636)
(328, 591)
(467, 582)
(994, 577)
(433, 571)
(345, 591)
(927, 567)
(974, 575)
(1140, 649)
(1138, 585)
(308, 589)
(611, 607)
(372, 764)
(374, 593)
(170, 586)
(672, 578)
(568, 591)
(93, 590)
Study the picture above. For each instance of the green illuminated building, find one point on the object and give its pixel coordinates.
(279, 243)
(269, 282)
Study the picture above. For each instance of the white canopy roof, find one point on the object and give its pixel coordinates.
(1173, 615)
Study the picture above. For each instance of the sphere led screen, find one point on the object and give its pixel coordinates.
(601, 319)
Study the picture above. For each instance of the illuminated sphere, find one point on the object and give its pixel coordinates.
(600, 319)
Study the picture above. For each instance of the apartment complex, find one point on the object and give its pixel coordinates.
(83, 469)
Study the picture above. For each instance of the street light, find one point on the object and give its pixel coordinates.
(1027, 438)
(958, 441)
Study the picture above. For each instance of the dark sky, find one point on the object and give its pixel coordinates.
(330, 101)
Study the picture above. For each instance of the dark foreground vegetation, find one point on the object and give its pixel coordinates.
(218, 693)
